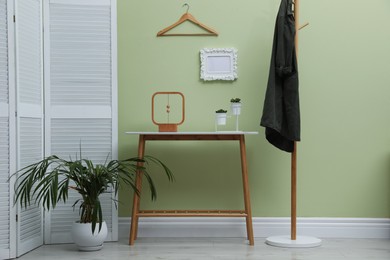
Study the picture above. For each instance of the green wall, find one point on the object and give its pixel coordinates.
(344, 155)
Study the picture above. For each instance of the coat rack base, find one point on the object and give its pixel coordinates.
(301, 241)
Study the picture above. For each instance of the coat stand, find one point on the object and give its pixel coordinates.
(293, 240)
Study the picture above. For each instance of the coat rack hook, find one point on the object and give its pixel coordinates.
(303, 26)
(188, 6)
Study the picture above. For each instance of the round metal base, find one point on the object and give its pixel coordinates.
(301, 241)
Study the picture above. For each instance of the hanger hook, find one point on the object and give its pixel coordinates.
(188, 6)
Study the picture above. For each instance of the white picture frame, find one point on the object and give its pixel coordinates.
(218, 64)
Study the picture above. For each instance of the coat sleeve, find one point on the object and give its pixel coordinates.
(285, 45)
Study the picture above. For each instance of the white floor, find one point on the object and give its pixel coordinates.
(218, 248)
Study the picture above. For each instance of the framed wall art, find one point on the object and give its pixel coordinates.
(218, 64)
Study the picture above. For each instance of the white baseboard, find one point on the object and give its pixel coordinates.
(262, 227)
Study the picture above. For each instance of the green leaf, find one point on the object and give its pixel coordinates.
(48, 181)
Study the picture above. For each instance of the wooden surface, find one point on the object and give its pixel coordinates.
(219, 133)
(168, 126)
(188, 17)
(294, 193)
(294, 153)
(192, 213)
(193, 136)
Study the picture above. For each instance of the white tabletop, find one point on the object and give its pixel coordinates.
(196, 133)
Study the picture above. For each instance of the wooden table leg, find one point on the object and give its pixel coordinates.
(136, 198)
(245, 182)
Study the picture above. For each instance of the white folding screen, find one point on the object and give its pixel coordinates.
(80, 103)
(29, 108)
(81, 94)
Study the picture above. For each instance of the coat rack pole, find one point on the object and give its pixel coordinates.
(293, 240)
(294, 193)
(294, 153)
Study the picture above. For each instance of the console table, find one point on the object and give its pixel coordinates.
(193, 136)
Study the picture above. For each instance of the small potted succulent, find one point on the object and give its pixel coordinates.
(235, 105)
(220, 116)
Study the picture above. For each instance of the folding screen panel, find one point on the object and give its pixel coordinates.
(7, 126)
(4, 135)
(29, 120)
(80, 67)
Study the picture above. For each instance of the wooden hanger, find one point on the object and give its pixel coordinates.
(187, 17)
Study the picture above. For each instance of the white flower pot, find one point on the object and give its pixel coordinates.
(220, 118)
(86, 241)
(236, 108)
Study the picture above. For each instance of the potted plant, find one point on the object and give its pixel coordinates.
(235, 105)
(48, 181)
(220, 116)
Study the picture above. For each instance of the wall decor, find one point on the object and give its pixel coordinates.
(190, 18)
(168, 111)
(218, 64)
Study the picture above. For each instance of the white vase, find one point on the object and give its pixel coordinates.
(86, 241)
(236, 108)
(220, 118)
